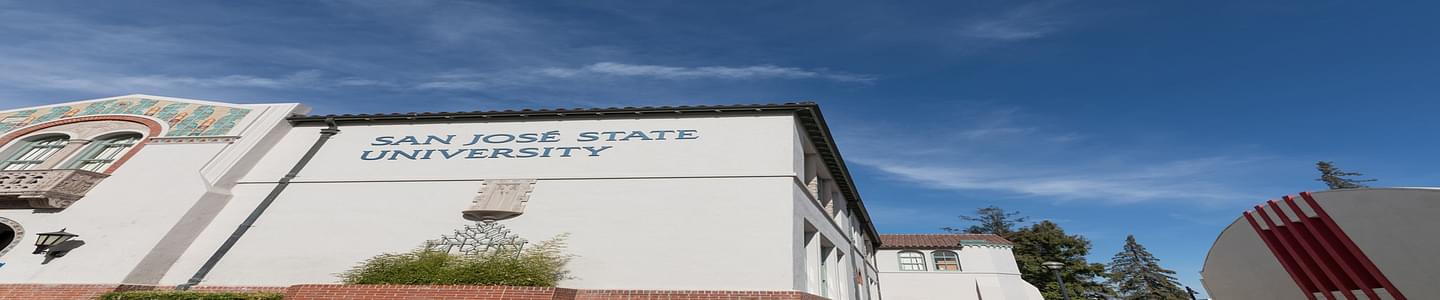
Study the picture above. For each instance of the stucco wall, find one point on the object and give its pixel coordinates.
(988, 259)
(987, 272)
(628, 233)
(715, 212)
(726, 146)
(136, 221)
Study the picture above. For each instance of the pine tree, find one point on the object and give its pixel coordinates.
(1136, 274)
(992, 220)
(1045, 241)
(1336, 178)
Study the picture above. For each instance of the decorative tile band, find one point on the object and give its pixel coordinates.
(185, 119)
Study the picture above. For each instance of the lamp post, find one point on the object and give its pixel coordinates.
(1055, 268)
(49, 239)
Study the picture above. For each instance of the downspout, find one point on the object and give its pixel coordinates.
(284, 182)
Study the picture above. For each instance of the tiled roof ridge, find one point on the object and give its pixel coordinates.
(939, 240)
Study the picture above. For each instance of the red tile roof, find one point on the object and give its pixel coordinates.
(937, 240)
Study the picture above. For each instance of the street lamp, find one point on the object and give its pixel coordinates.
(50, 239)
(1055, 268)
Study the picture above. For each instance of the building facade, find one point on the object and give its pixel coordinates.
(950, 266)
(170, 192)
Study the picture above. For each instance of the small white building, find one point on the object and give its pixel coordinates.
(950, 266)
(168, 191)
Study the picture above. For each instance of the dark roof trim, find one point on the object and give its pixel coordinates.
(807, 113)
(559, 113)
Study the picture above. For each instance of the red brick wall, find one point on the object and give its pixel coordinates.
(54, 291)
(402, 292)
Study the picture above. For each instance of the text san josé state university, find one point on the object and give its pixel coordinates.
(518, 140)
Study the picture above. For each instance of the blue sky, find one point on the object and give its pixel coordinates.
(1162, 119)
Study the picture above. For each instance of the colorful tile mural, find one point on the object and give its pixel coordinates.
(185, 119)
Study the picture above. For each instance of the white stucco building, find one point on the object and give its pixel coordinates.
(168, 191)
(950, 266)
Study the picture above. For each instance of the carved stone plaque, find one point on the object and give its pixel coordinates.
(500, 199)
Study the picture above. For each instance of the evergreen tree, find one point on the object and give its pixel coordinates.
(1046, 241)
(992, 220)
(1337, 179)
(1136, 274)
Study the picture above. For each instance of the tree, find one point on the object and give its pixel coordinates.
(1136, 274)
(992, 220)
(1046, 241)
(1337, 178)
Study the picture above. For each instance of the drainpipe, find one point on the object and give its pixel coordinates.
(284, 182)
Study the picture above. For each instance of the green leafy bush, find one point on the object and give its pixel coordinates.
(542, 265)
(188, 295)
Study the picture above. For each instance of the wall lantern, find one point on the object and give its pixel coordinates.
(50, 239)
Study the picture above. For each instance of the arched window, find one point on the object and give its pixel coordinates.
(104, 152)
(912, 261)
(946, 261)
(34, 152)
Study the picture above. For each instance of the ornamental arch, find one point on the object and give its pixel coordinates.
(81, 131)
(10, 235)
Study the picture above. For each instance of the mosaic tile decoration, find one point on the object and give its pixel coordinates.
(185, 119)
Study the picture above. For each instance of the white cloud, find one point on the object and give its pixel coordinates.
(1121, 184)
(1026, 22)
(1005, 151)
(472, 80)
(708, 72)
(101, 81)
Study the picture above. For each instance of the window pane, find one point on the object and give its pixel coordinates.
(104, 152)
(92, 166)
(33, 153)
(947, 261)
(109, 152)
(912, 261)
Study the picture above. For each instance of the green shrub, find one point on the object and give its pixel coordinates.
(188, 295)
(542, 264)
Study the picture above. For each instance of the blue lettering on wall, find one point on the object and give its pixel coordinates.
(523, 145)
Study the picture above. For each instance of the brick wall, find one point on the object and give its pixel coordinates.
(54, 291)
(401, 292)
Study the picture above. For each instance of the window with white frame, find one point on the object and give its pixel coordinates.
(33, 152)
(946, 261)
(912, 261)
(103, 152)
